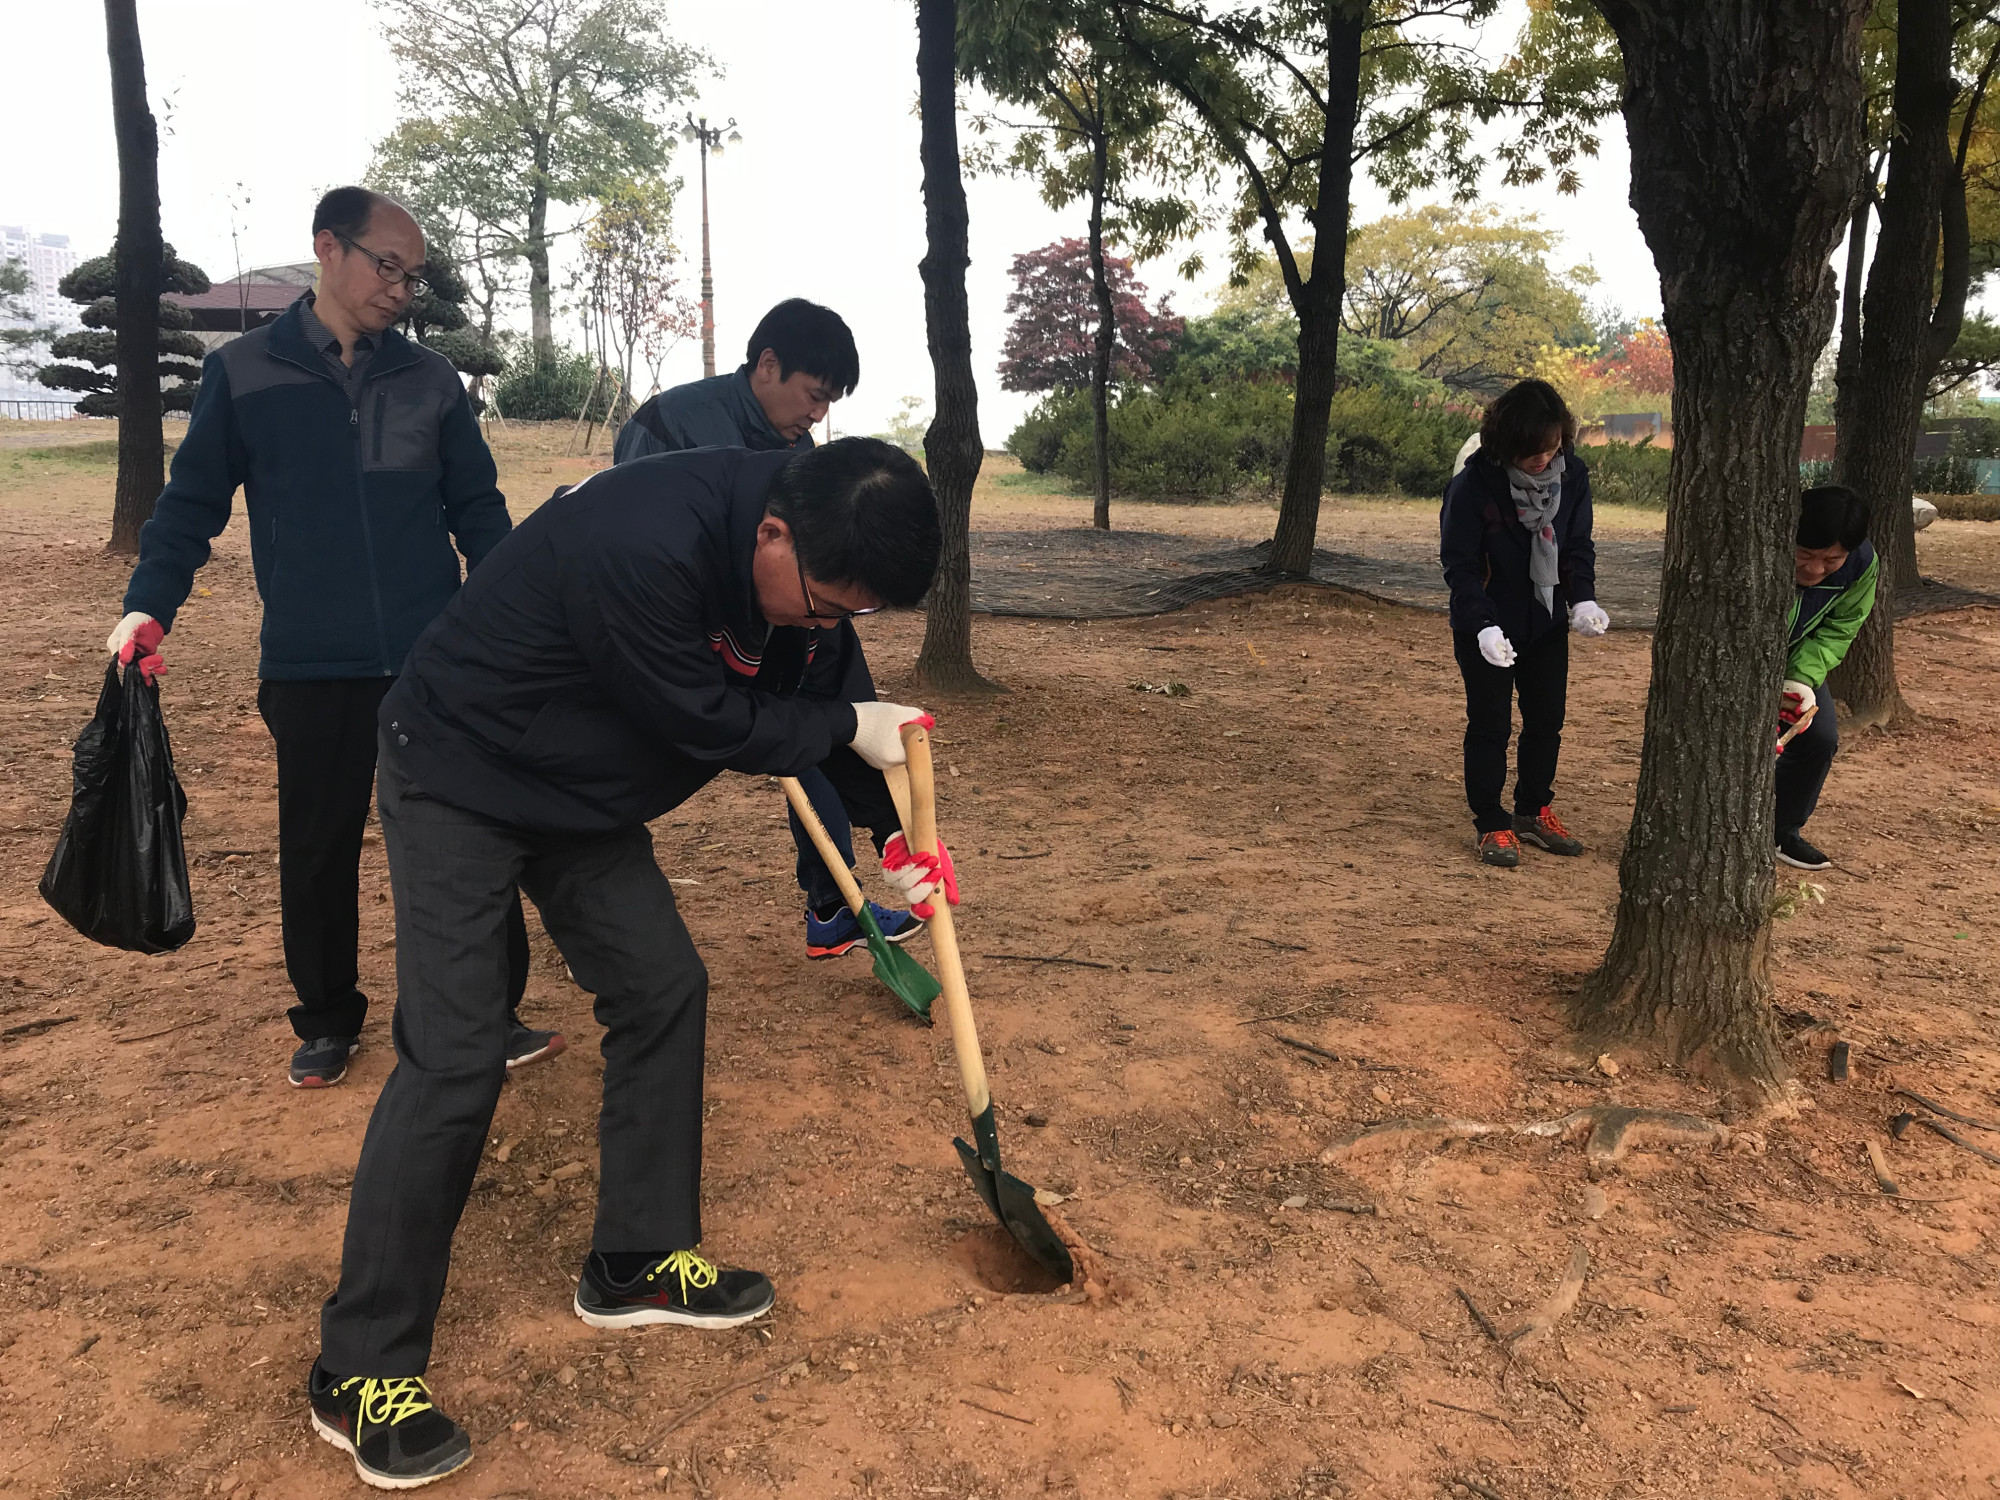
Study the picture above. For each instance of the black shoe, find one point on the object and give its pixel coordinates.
(1545, 831)
(322, 1062)
(1796, 852)
(526, 1045)
(677, 1288)
(397, 1438)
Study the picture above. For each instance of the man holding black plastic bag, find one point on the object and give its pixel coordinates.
(361, 464)
(637, 635)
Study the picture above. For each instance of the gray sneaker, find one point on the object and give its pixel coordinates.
(322, 1062)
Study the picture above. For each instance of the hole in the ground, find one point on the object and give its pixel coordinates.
(1000, 1265)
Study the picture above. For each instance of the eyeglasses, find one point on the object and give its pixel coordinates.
(388, 270)
(813, 611)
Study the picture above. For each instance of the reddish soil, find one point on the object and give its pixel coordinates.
(1286, 842)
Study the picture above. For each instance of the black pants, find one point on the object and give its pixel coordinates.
(325, 734)
(1540, 676)
(609, 907)
(1802, 768)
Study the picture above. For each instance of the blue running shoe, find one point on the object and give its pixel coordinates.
(840, 933)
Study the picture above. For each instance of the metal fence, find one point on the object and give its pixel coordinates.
(38, 411)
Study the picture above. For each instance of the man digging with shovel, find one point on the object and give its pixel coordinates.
(638, 634)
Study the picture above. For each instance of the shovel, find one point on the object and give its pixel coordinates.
(1012, 1200)
(1798, 724)
(908, 980)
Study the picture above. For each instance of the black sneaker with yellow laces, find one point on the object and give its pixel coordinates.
(679, 1287)
(396, 1436)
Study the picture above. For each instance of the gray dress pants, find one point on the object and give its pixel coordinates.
(611, 911)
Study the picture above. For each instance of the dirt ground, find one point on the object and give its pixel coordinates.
(1282, 853)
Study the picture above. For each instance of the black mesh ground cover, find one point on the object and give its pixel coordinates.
(1083, 574)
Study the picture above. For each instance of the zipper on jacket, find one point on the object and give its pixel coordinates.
(368, 540)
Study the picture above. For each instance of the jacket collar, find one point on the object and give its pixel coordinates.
(746, 510)
(748, 412)
(289, 342)
(1858, 562)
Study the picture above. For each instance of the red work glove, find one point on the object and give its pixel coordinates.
(143, 642)
(916, 876)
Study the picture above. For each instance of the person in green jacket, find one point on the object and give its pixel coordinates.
(1835, 568)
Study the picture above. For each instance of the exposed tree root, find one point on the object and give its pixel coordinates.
(1613, 1130)
(1542, 1321)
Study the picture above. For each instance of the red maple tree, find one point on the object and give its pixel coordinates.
(1054, 327)
(1644, 359)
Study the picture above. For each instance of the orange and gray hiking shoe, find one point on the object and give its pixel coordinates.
(1545, 831)
(397, 1438)
(1499, 848)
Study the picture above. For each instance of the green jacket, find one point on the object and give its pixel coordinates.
(1826, 617)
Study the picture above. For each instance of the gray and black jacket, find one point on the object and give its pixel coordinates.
(354, 506)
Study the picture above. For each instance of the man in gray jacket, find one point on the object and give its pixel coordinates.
(365, 479)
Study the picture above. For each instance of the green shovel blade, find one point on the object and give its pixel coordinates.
(908, 980)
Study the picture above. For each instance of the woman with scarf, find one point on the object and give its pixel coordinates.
(1519, 561)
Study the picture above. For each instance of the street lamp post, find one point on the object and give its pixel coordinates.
(710, 139)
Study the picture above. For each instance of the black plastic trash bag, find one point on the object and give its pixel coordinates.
(119, 874)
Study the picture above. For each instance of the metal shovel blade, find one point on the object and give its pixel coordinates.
(908, 980)
(1012, 1200)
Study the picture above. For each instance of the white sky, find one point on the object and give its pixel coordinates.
(821, 200)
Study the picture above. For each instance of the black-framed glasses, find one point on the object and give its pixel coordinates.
(813, 611)
(388, 270)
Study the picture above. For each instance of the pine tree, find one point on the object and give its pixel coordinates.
(94, 351)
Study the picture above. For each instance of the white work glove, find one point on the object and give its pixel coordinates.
(878, 735)
(125, 629)
(1589, 620)
(1794, 698)
(1495, 647)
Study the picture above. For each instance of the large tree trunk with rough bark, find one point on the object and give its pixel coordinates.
(1317, 299)
(1745, 124)
(952, 449)
(142, 461)
(1899, 350)
(1107, 337)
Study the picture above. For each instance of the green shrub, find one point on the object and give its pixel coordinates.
(1944, 476)
(553, 388)
(1212, 443)
(1629, 474)
(1038, 441)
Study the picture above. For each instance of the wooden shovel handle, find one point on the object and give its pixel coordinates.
(1798, 724)
(823, 841)
(922, 833)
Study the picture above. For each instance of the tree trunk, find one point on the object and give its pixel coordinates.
(541, 322)
(1317, 300)
(952, 448)
(1745, 125)
(1107, 337)
(1847, 361)
(1878, 445)
(142, 444)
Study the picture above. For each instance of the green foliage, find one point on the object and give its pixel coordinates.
(1632, 474)
(94, 283)
(18, 344)
(909, 425)
(511, 107)
(552, 386)
(1209, 444)
(1470, 297)
(1975, 355)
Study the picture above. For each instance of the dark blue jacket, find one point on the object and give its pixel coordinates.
(1484, 550)
(609, 658)
(353, 508)
(720, 412)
